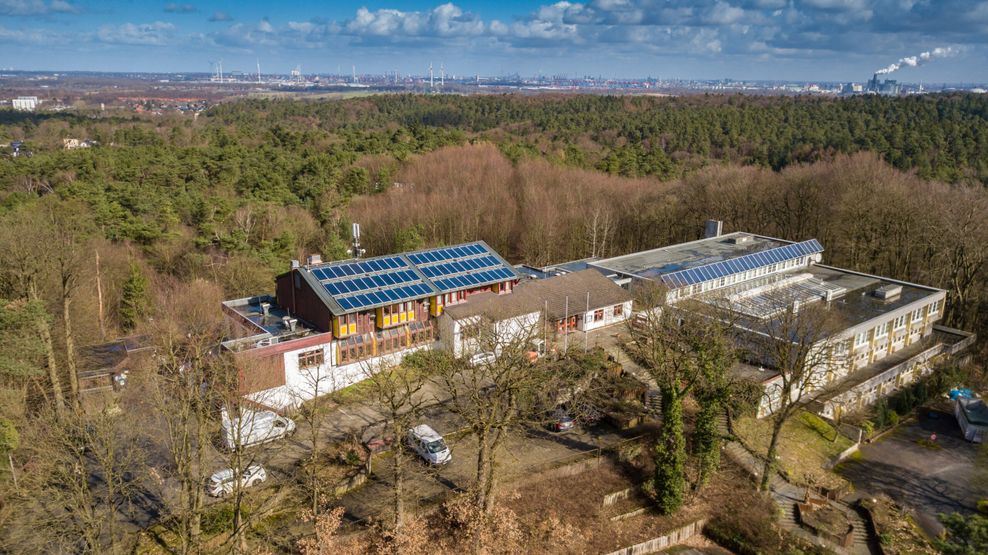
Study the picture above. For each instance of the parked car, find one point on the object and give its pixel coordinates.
(560, 421)
(428, 444)
(254, 427)
(222, 482)
(482, 358)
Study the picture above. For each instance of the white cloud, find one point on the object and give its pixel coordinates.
(219, 16)
(173, 7)
(35, 7)
(158, 33)
(446, 20)
(723, 13)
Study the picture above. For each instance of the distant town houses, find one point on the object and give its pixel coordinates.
(72, 144)
(329, 322)
(25, 103)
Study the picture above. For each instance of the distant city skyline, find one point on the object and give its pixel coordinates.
(806, 40)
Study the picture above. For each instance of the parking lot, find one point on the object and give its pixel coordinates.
(948, 477)
(523, 453)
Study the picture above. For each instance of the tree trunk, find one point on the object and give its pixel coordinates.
(399, 489)
(773, 447)
(706, 439)
(70, 358)
(56, 383)
(483, 455)
(669, 480)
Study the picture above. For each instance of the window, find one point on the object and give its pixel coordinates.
(598, 315)
(311, 359)
(618, 310)
(900, 322)
(860, 339)
(882, 330)
(917, 315)
(934, 308)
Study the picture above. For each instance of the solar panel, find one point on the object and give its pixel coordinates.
(365, 283)
(743, 263)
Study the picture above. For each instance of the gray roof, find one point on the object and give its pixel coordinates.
(683, 256)
(560, 294)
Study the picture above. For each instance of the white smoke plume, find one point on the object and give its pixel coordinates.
(913, 61)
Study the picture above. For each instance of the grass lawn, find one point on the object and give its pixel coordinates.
(807, 443)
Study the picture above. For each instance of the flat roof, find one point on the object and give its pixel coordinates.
(267, 326)
(683, 256)
(855, 306)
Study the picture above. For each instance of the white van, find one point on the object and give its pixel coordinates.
(428, 444)
(221, 483)
(254, 427)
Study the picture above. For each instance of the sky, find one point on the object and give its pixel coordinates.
(825, 40)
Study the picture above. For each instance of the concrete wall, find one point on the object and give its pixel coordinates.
(503, 332)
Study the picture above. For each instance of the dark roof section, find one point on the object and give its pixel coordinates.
(349, 286)
(561, 295)
(975, 410)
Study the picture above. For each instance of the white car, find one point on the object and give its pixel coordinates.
(482, 358)
(254, 427)
(428, 444)
(222, 482)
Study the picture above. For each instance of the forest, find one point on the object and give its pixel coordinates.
(174, 212)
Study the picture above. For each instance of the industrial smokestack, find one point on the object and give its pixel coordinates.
(920, 59)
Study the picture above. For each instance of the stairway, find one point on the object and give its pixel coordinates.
(653, 401)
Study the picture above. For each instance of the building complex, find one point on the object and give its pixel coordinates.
(329, 324)
(881, 333)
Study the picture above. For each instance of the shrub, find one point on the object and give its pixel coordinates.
(983, 506)
(219, 518)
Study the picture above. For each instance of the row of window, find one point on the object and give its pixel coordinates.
(725, 281)
(883, 330)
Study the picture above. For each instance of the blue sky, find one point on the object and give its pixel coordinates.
(753, 39)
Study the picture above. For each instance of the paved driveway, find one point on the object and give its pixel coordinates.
(930, 481)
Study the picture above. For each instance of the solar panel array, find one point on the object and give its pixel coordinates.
(453, 268)
(390, 280)
(740, 264)
(357, 268)
(447, 253)
(473, 280)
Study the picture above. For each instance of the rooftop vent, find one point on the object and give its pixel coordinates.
(740, 240)
(313, 259)
(295, 264)
(888, 292)
(265, 308)
(289, 323)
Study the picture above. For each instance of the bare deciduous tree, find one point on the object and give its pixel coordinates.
(800, 344)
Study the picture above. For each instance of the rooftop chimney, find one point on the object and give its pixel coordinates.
(313, 259)
(295, 264)
(289, 323)
(265, 308)
(712, 228)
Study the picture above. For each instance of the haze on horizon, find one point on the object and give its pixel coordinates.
(832, 40)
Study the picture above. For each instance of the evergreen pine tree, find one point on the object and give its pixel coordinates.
(134, 301)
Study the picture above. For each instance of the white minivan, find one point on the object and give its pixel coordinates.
(222, 482)
(428, 444)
